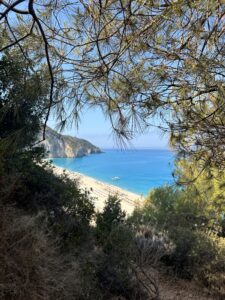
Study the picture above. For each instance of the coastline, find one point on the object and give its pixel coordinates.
(100, 191)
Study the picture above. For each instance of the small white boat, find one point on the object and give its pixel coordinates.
(115, 178)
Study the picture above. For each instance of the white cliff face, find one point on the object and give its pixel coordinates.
(58, 145)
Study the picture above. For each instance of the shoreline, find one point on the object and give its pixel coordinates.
(100, 190)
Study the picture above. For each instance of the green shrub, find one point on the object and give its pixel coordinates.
(23, 97)
(127, 257)
(33, 188)
(186, 219)
(111, 216)
(208, 255)
(117, 244)
(116, 271)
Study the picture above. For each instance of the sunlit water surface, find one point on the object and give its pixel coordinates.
(135, 170)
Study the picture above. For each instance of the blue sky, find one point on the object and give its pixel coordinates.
(96, 129)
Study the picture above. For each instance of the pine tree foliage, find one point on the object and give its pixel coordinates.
(133, 58)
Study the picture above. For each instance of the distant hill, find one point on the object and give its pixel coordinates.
(58, 145)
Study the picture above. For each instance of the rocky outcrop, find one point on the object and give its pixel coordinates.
(58, 145)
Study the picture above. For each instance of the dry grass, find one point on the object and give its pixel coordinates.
(32, 268)
(27, 261)
(30, 265)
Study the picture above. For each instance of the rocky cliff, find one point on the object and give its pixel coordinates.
(58, 145)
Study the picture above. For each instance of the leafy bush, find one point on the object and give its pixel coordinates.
(23, 97)
(206, 189)
(127, 258)
(208, 255)
(111, 216)
(33, 188)
(117, 244)
(186, 220)
(114, 271)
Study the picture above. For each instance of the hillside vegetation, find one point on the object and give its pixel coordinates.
(49, 250)
(134, 60)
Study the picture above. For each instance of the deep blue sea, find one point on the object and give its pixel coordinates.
(138, 170)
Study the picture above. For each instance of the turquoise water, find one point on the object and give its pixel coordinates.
(138, 170)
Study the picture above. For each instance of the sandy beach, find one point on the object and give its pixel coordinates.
(100, 190)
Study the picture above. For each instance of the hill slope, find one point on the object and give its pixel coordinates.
(59, 145)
